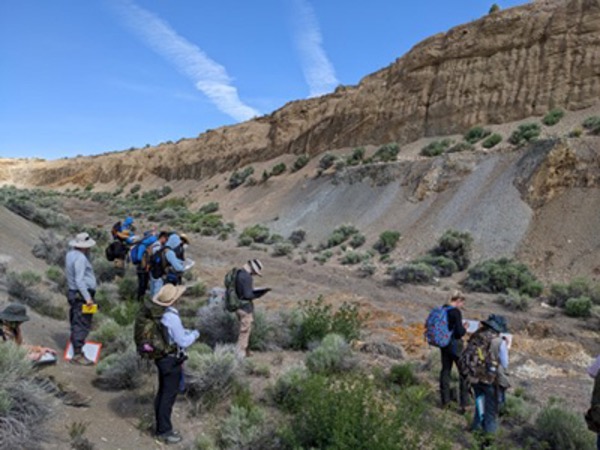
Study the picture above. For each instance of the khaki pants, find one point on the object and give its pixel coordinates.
(246, 320)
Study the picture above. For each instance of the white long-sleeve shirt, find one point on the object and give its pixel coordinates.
(178, 335)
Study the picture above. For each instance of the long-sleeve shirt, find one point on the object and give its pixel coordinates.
(178, 335)
(455, 322)
(244, 287)
(80, 273)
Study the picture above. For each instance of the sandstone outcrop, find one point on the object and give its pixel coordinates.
(505, 66)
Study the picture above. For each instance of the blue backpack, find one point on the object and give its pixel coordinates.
(137, 251)
(437, 331)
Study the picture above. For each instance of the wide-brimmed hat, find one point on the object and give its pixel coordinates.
(256, 266)
(82, 240)
(168, 295)
(184, 238)
(496, 323)
(14, 313)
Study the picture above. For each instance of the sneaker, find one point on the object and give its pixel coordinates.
(169, 438)
(81, 361)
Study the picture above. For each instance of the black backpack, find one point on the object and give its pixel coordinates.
(150, 335)
(115, 250)
(158, 263)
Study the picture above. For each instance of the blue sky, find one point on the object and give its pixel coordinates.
(87, 77)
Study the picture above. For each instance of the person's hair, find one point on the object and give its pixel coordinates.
(456, 296)
(164, 234)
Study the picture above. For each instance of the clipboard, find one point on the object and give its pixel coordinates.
(260, 291)
(91, 350)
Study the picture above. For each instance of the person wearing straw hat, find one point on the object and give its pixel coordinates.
(11, 319)
(169, 366)
(82, 289)
(244, 287)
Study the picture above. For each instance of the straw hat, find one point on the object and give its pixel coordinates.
(185, 238)
(14, 313)
(255, 266)
(168, 295)
(82, 240)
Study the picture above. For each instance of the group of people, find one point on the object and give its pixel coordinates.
(488, 386)
(161, 269)
(489, 344)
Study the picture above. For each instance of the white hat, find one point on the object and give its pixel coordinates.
(82, 240)
(256, 266)
(168, 295)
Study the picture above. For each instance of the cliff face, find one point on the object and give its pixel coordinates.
(503, 67)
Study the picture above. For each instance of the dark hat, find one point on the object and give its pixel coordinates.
(14, 313)
(496, 323)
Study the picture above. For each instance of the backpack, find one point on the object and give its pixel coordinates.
(231, 299)
(476, 362)
(158, 263)
(437, 332)
(137, 252)
(149, 334)
(115, 229)
(115, 250)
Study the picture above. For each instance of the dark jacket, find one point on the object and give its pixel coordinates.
(244, 287)
(455, 322)
(593, 415)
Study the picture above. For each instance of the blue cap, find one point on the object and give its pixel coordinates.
(128, 221)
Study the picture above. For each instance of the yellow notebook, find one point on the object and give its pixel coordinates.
(89, 309)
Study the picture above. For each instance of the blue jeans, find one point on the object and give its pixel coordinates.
(598, 442)
(486, 408)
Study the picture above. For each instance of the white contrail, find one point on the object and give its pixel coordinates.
(318, 70)
(208, 76)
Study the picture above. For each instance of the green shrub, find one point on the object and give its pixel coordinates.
(211, 377)
(553, 117)
(209, 208)
(333, 355)
(525, 133)
(340, 234)
(351, 413)
(436, 148)
(591, 122)
(492, 141)
(514, 300)
(244, 428)
(443, 266)
(575, 133)
(318, 320)
(135, 188)
(286, 391)
(403, 375)
(239, 177)
(324, 256)
(563, 430)
(495, 276)
(26, 288)
(516, 410)
(579, 307)
(356, 156)
(57, 275)
(357, 240)
(366, 269)
(387, 152)
(52, 248)
(578, 287)
(413, 273)
(327, 161)
(124, 312)
(476, 134)
(297, 237)
(387, 241)
(300, 162)
(115, 338)
(127, 288)
(120, 371)
(278, 169)
(218, 326)
(25, 406)
(257, 233)
(456, 246)
(283, 249)
(351, 258)
(461, 147)
(494, 8)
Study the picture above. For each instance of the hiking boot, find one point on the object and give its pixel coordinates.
(81, 360)
(169, 438)
(76, 399)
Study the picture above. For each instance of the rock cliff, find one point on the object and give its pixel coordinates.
(505, 66)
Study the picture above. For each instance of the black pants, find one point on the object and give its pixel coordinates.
(169, 375)
(81, 324)
(450, 356)
(143, 279)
